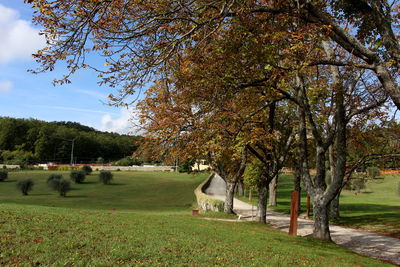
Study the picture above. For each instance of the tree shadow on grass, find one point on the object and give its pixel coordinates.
(91, 182)
(74, 189)
(384, 217)
(76, 196)
(116, 184)
(9, 181)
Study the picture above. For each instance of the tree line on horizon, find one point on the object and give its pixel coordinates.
(29, 141)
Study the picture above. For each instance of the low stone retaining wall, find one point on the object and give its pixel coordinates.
(205, 202)
(133, 168)
(10, 166)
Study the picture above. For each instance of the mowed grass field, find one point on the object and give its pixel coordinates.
(143, 219)
(375, 208)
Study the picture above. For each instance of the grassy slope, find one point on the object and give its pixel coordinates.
(45, 229)
(129, 190)
(376, 208)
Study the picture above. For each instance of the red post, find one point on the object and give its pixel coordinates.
(294, 210)
(308, 205)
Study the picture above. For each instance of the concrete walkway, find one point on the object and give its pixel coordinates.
(365, 243)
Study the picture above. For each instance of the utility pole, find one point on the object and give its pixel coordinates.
(72, 146)
(72, 151)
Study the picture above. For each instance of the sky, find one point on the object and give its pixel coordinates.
(27, 95)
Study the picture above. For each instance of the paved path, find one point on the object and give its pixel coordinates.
(365, 243)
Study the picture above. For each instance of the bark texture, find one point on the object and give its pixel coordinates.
(262, 202)
(240, 188)
(229, 196)
(272, 191)
(321, 219)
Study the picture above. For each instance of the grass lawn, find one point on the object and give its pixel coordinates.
(142, 220)
(376, 208)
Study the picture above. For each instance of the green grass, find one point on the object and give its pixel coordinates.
(376, 208)
(127, 191)
(143, 220)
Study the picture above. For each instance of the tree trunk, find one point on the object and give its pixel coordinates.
(297, 184)
(334, 211)
(230, 192)
(321, 219)
(262, 201)
(272, 191)
(240, 188)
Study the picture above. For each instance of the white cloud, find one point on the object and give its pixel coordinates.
(18, 39)
(124, 124)
(94, 94)
(5, 86)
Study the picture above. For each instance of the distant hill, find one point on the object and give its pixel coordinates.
(31, 140)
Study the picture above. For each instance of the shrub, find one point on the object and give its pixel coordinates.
(373, 172)
(87, 169)
(356, 184)
(252, 173)
(77, 176)
(128, 161)
(186, 166)
(3, 175)
(25, 186)
(64, 168)
(105, 177)
(53, 177)
(100, 160)
(58, 183)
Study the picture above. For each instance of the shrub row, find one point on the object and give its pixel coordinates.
(59, 184)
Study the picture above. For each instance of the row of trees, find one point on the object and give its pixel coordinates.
(234, 80)
(26, 141)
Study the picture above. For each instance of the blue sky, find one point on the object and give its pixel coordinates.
(27, 95)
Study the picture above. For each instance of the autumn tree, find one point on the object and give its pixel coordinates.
(324, 114)
(185, 128)
(146, 40)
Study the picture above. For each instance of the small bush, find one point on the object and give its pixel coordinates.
(356, 184)
(100, 160)
(186, 166)
(87, 169)
(53, 177)
(58, 183)
(105, 177)
(373, 172)
(64, 168)
(25, 186)
(3, 175)
(77, 176)
(128, 161)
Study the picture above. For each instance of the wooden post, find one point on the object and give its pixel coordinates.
(251, 194)
(294, 209)
(308, 205)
